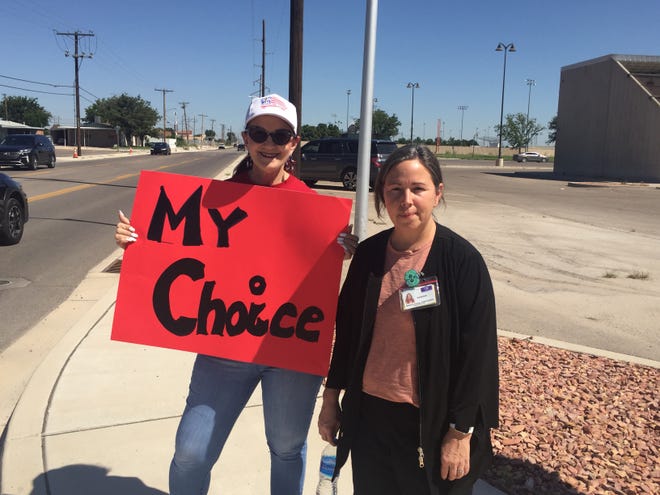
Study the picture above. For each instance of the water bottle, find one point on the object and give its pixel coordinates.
(328, 460)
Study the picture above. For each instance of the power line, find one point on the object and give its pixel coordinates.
(37, 82)
(35, 90)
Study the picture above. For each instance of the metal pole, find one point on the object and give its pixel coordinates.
(348, 96)
(502, 47)
(366, 112)
(412, 85)
(462, 108)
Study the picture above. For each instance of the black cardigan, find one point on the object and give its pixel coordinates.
(456, 347)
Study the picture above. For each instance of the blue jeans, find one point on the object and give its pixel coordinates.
(219, 390)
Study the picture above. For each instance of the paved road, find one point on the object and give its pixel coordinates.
(73, 209)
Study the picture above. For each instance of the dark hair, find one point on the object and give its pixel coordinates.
(410, 152)
(246, 164)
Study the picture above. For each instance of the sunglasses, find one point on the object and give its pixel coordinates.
(259, 135)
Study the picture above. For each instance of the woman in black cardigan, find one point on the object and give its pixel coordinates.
(416, 347)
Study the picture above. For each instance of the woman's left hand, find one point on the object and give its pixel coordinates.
(455, 455)
(348, 241)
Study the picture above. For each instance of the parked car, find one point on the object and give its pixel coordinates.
(221, 147)
(161, 148)
(240, 147)
(27, 150)
(530, 156)
(335, 159)
(13, 210)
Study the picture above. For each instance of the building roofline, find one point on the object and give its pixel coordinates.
(650, 59)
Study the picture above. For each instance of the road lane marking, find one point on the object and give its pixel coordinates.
(80, 187)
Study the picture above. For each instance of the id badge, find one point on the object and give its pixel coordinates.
(423, 295)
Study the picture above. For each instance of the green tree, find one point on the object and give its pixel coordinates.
(552, 127)
(210, 134)
(135, 116)
(308, 132)
(383, 125)
(231, 137)
(24, 110)
(518, 131)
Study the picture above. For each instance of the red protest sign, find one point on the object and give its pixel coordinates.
(232, 270)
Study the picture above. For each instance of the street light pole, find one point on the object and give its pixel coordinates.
(530, 83)
(348, 100)
(462, 108)
(505, 48)
(412, 85)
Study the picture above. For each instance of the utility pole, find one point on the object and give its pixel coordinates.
(530, 83)
(76, 61)
(212, 127)
(296, 65)
(164, 108)
(185, 119)
(202, 132)
(263, 58)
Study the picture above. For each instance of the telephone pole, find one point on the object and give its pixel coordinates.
(164, 108)
(185, 119)
(263, 58)
(296, 65)
(76, 61)
(202, 132)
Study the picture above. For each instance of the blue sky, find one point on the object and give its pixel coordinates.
(209, 54)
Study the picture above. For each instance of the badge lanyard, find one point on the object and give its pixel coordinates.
(419, 292)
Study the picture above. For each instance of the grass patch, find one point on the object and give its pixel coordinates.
(609, 275)
(637, 275)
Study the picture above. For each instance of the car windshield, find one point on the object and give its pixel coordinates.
(384, 148)
(18, 140)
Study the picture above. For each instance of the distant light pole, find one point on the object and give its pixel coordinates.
(530, 83)
(412, 85)
(348, 100)
(462, 108)
(505, 48)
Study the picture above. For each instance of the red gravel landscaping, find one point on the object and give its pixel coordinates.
(573, 423)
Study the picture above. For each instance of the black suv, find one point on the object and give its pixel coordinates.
(13, 211)
(27, 150)
(335, 159)
(161, 148)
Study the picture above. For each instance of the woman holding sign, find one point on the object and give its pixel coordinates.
(220, 388)
(415, 349)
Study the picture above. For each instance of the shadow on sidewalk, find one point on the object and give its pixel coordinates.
(520, 477)
(84, 479)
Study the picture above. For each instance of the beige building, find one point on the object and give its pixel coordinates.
(608, 120)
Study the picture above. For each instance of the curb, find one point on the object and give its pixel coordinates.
(581, 349)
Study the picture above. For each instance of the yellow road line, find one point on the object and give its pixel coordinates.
(80, 187)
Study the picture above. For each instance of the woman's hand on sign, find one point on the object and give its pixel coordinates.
(348, 241)
(125, 233)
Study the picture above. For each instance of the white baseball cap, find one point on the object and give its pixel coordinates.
(273, 105)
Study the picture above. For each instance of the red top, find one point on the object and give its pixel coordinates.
(292, 183)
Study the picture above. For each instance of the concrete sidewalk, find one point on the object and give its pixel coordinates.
(99, 417)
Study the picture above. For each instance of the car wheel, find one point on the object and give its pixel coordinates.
(51, 162)
(544, 160)
(12, 224)
(524, 160)
(33, 162)
(349, 179)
